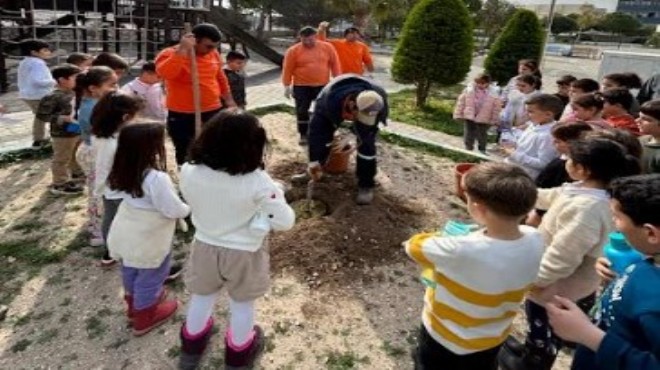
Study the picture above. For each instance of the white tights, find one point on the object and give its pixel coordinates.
(241, 320)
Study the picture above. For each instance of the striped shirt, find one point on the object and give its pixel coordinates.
(479, 284)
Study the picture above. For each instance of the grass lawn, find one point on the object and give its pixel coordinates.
(435, 115)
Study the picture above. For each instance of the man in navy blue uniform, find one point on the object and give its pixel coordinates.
(348, 98)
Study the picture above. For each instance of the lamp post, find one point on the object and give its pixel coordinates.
(551, 17)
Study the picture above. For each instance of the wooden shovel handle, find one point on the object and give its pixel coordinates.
(195, 85)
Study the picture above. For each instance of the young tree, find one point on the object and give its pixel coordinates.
(493, 16)
(564, 24)
(522, 38)
(435, 46)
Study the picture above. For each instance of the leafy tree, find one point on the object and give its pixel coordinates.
(654, 40)
(620, 24)
(522, 38)
(564, 24)
(435, 46)
(588, 18)
(493, 16)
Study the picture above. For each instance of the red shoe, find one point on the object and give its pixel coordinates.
(130, 310)
(151, 317)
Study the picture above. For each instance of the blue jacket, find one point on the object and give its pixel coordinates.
(330, 101)
(85, 117)
(629, 312)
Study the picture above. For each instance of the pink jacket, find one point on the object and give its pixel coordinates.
(489, 111)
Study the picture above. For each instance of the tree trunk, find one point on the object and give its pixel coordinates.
(262, 24)
(423, 88)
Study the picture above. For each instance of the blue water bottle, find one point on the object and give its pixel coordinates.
(620, 253)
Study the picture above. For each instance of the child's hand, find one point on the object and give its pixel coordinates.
(508, 150)
(533, 219)
(68, 119)
(604, 271)
(571, 324)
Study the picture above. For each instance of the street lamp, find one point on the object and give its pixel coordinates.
(551, 17)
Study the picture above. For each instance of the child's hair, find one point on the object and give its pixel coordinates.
(639, 197)
(570, 131)
(626, 80)
(111, 60)
(566, 80)
(95, 76)
(587, 85)
(232, 141)
(207, 31)
(77, 58)
(619, 96)
(651, 108)
(109, 114)
(483, 78)
(235, 55)
(531, 64)
(604, 159)
(28, 46)
(149, 67)
(64, 71)
(623, 137)
(140, 146)
(592, 100)
(546, 103)
(505, 189)
(530, 80)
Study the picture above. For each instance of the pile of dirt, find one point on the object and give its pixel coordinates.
(349, 242)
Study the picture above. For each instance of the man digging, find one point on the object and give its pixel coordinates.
(353, 98)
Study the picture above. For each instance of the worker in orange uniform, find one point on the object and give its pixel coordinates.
(307, 69)
(354, 55)
(173, 65)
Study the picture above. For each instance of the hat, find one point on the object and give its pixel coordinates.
(369, 104)
(307, 31)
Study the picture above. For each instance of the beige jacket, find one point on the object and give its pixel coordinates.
(575, 230)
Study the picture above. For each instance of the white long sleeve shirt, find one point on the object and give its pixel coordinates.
(104, 150)
(153, 96)
(34, 79)
(224, 206)
(534, 149)
(159, 195)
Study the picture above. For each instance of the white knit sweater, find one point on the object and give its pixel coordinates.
(224, 206)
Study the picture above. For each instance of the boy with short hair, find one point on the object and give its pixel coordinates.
(578, 88)
(626, 333)
(57, 108)
(112, 61)
(479, 279)
(649, 126)
(82, 60)
(35, 82)
(534, 148)
(148, 86)
(234, 71)
(616, 108)
(563, 87)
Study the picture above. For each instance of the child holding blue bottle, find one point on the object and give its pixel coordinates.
(625, 334)
(57, 109)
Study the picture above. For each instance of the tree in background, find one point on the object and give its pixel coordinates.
(435, 46)
(492, 17)
(621, 24)
(588, 18)
(522, 38)
(563, 24)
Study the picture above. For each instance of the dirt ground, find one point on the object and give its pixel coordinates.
(344, 295)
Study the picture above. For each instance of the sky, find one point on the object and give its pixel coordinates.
(610, 5)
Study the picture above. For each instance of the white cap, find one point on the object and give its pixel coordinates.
(369, 104)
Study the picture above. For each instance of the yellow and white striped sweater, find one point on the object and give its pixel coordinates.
(479, 284)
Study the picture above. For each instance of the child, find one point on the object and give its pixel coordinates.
(142, 231)
(82, 60)
(649, 125)
(616, 105)
(35, 82)
(234, 71)
(93, 85)
(110, 114)
(112, 61)
(626, 331)
(148, 86)
(575, 229)
(525, 67)
(234, 204)
(515, 114)
(469, 313)
(563, 87)
(578, 88)
(554, 174)
(534, 149)
(588, 109)
(57, 108)
(479, 106)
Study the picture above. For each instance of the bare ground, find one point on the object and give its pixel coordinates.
(344, 294)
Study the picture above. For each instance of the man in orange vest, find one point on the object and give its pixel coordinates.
(173, 65)
(354, 55)
(307, 68)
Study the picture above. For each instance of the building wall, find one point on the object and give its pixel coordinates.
(647, 11)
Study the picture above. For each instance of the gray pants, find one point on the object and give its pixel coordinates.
(475, 131)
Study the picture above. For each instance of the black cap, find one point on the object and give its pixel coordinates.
(307, 31)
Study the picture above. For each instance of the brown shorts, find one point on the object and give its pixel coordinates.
(246, 275)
